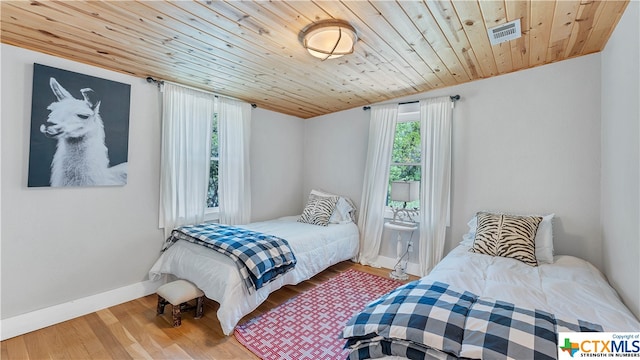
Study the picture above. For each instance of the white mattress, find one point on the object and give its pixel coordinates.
(315, 248)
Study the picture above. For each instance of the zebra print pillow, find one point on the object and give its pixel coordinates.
(318, 210)
(508, 236)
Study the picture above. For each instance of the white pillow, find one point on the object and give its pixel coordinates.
(543, 240)
(467, 239)
(342, 212)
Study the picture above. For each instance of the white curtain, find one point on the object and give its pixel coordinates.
(234, 131)
(435, 130)
(382, 128)
(187, 116)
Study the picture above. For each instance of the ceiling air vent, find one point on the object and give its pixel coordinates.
(505, 32)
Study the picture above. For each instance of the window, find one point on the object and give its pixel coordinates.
(405, 158)
(212, 193)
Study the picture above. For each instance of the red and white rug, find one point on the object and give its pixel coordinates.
(308, 326)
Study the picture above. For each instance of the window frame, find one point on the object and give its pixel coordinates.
(406, 113)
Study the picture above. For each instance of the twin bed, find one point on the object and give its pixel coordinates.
(325, 234)
(315, 248)
(483, 300)
(482, 307)
(508, 304)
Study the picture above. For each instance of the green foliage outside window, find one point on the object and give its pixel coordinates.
(212, 193)
(405, 158)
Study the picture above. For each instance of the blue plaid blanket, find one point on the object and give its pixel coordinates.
(428, 320)
(260, 258)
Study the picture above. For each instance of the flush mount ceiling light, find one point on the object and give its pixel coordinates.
(329, 39)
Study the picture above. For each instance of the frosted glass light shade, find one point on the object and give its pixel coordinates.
(329, 39)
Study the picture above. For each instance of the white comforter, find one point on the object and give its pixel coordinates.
(570, 288)
(315, 248)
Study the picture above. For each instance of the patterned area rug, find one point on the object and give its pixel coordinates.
(308, 326)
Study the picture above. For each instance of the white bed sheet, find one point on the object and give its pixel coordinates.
(315, 248)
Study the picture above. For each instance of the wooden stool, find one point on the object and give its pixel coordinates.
(177, 293)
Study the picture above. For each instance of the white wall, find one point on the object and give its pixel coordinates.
(526, 142)
(276, 165)
(65, 244)
(621, 158)
(335, 152)
(529, 142)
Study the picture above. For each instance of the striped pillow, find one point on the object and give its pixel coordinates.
(318, 210)
(508, 236)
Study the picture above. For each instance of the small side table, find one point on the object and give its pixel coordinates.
(399, 271)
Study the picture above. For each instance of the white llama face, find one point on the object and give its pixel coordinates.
(70, 117)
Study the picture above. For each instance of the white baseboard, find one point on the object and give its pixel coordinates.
(22, 324)
(35, 320)
(390, 263)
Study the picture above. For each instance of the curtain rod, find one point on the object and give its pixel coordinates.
(453, 98)
(161, 82)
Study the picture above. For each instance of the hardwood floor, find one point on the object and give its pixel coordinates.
(133, 331)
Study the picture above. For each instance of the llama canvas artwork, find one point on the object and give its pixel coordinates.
(72, 140)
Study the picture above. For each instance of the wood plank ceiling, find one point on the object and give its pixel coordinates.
(250, 49)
